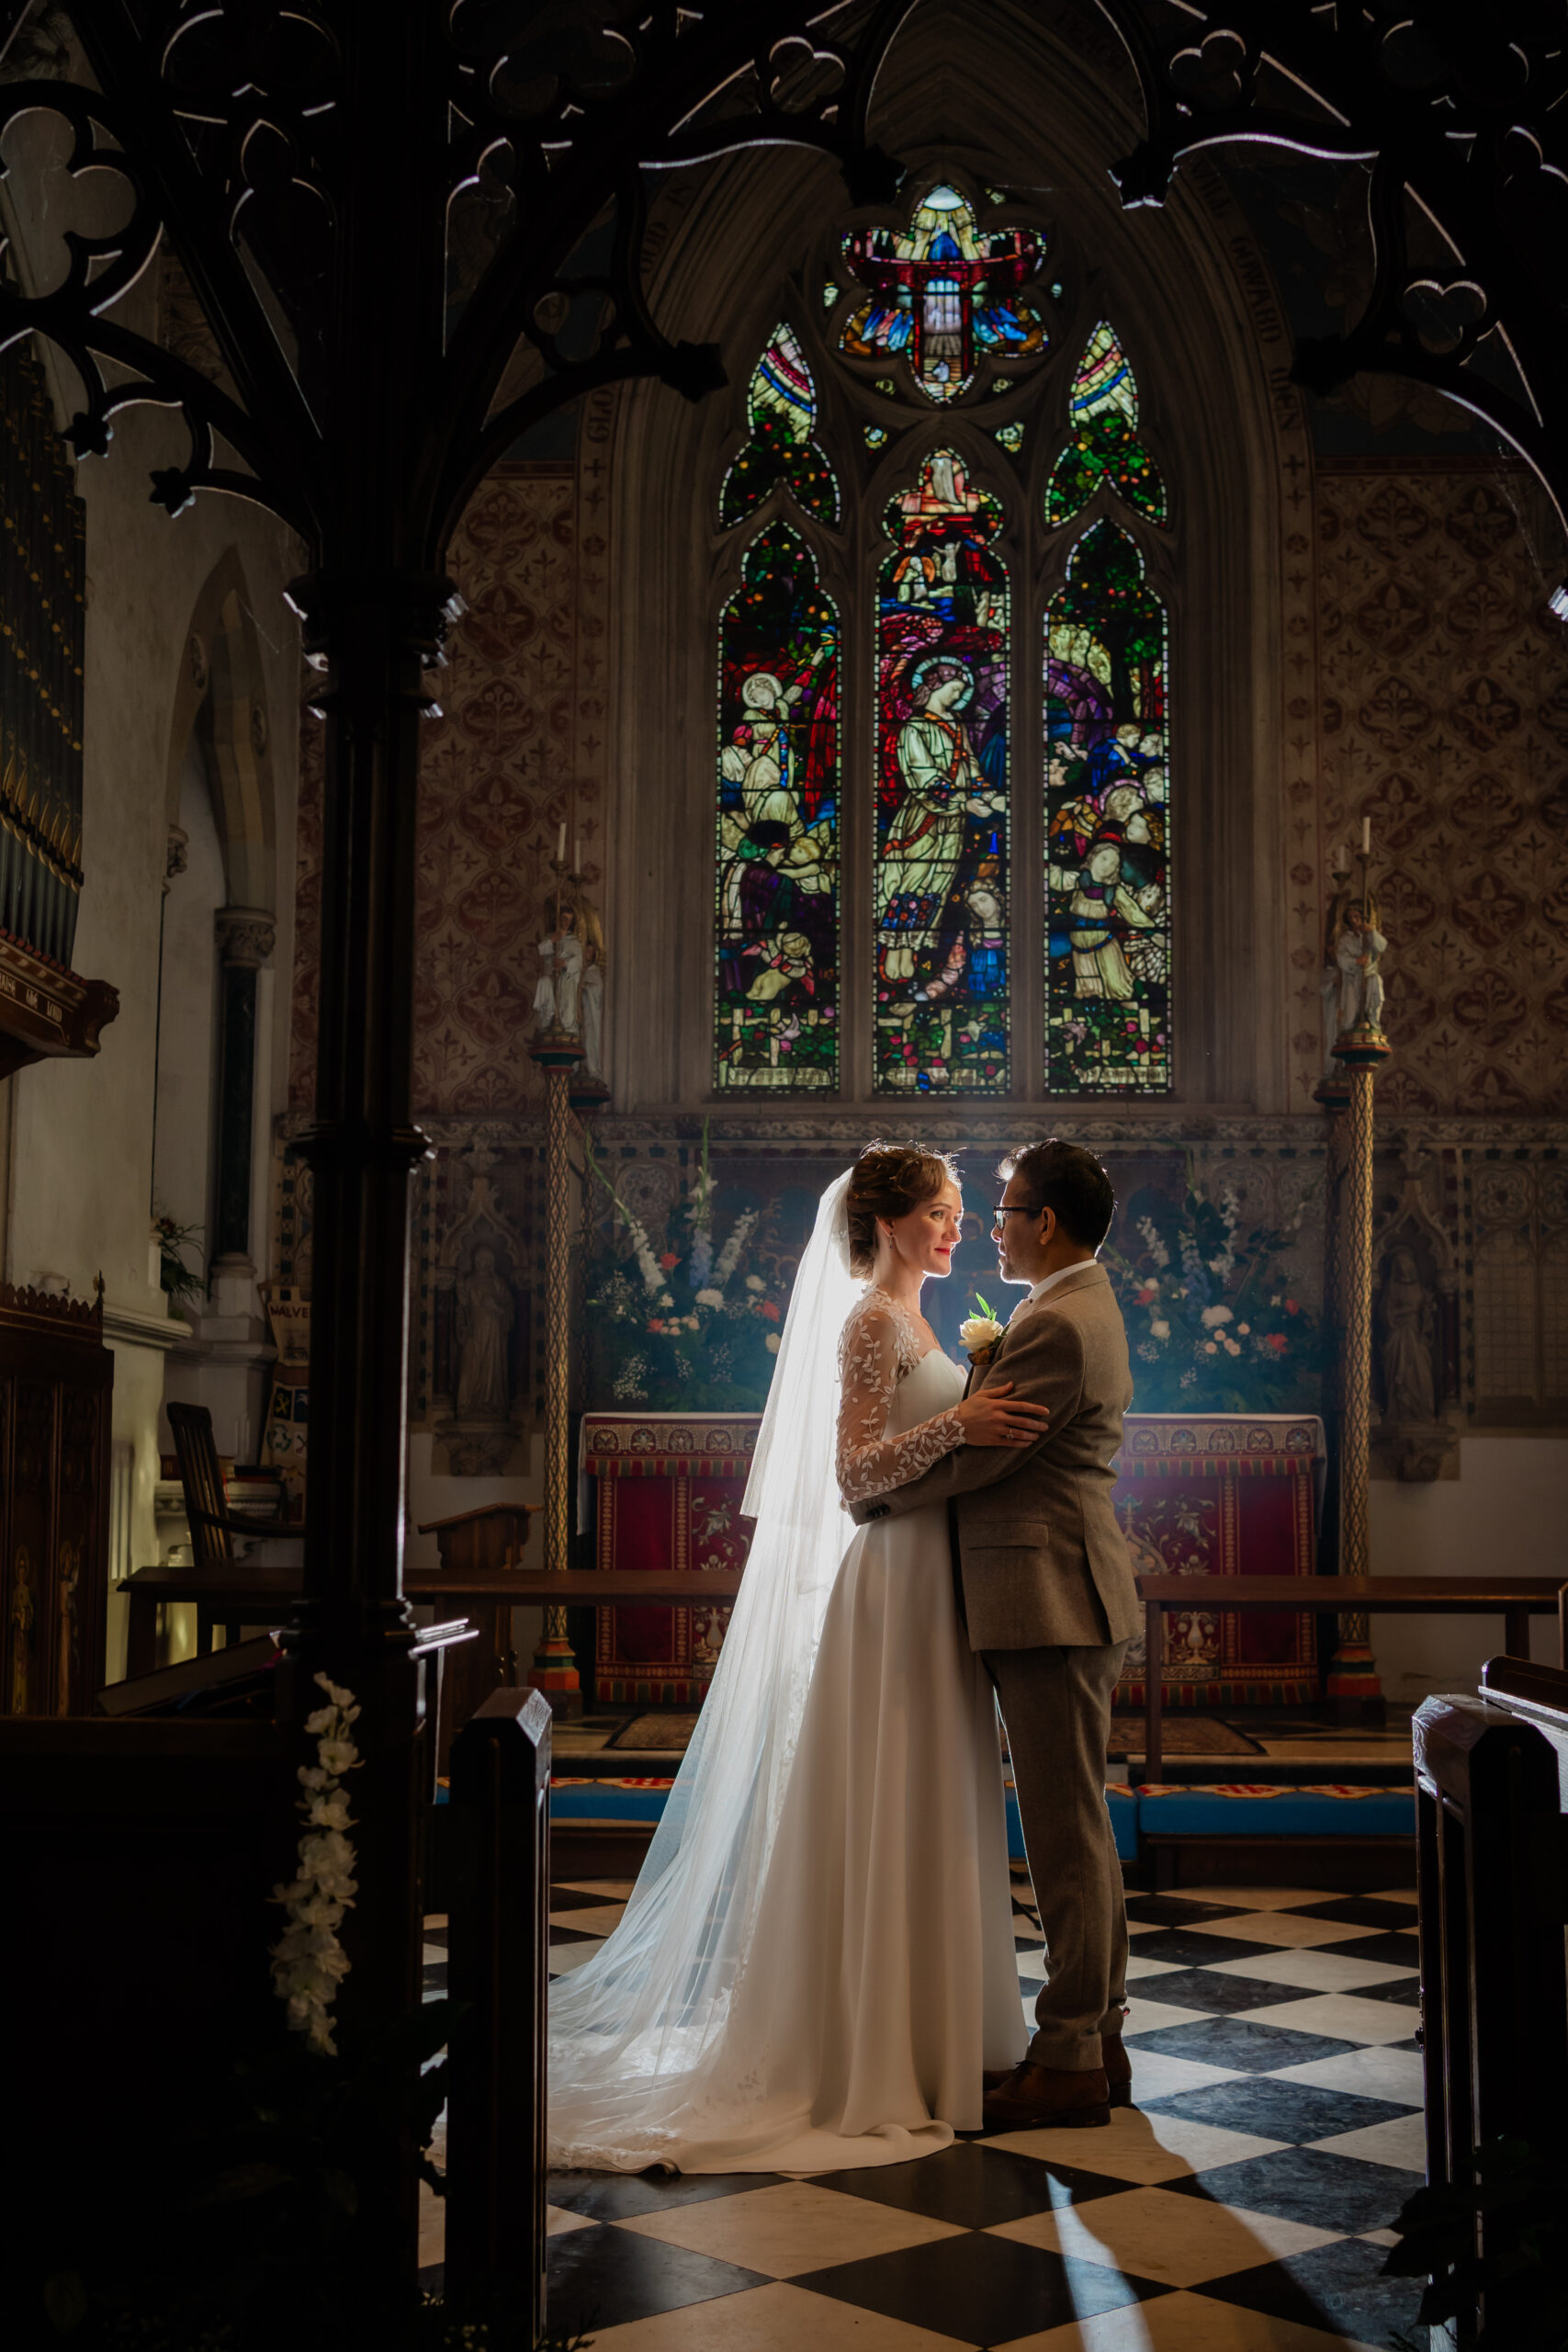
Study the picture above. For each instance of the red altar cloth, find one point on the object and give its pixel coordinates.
(1211, 1494)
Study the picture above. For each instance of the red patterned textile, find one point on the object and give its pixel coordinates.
(668, 1487)
(1212, 1495)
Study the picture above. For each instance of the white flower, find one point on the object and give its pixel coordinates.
(772, 1343)
(338, 1755)
(329, 1811)
(1159, 1331)
(666, 1298)
(710, 1298)
(340, 1698)
(693, 1322)
(1212, 1317)
(979, 1331)
(755, 1282)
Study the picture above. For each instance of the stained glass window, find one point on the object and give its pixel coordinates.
(943, 293)
(1103, 414)
(1108, 881)
(782, 405)
(777, 869)
(941, 791)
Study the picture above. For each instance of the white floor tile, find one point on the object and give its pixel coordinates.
(1253, 1898)
(1367, 2073)
(611, 1890)
(1186, 2321)
(1395, 1894)
(1177, 2240)
(558, 2222)
(1401, 2141)
(789, 2227)
(1136, 1967)
(1292, 1927)
(1314, 1971)
(565, 1956)
(1342, 2018)
(1139, 2148)
(432, 2227)
(1156, 2076)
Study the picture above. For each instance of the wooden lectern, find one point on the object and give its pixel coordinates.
(476, 1546)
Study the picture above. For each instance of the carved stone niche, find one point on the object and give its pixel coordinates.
(1415, 1337)
(477, 1384)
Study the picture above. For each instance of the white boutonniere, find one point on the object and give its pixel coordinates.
(980, 1335)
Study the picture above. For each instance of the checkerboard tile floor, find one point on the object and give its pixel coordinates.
(1241, 2206)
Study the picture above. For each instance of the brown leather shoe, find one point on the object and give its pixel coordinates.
(993, 2077)
(1118, 2068)
(1034, 2098)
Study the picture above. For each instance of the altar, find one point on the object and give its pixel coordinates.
(1200, 1495)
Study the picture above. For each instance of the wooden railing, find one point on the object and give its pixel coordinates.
(1513, 1599)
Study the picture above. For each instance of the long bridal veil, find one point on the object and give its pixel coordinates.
(636, 2032)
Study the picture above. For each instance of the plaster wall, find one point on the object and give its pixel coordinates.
(1502, 1516)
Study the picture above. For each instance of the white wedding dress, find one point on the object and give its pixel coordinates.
(873, 1977)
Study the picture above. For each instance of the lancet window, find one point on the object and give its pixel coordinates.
(1063, 493)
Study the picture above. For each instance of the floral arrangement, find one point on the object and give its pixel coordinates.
(981, 1335)
(175, 1279)
(1215, 1320)
(672, 1329)
(308, 1963)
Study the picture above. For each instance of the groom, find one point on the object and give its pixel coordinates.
(1050, 1603)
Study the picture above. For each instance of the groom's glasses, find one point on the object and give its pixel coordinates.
(1011, 1208)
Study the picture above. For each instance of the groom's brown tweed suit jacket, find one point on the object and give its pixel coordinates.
(1043, 1559)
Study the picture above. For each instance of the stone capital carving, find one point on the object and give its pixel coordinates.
(245, 936)
(177, 858)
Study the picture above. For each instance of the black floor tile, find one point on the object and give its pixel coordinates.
(603, 2277)
(1207, 1988)
(1190, 1948)
(1311, 2185)
(1298, 2112)
(972, 2186)
(572, 1898)
(1236, 2042)
(982, 2289)
(1335, 2287)
(1395, 1952)
(621, 2196)
(434, 1976)
(569, 1935)
(1360, 1911)
(1392, 1988)
(436, 1936)
(1174, 1911)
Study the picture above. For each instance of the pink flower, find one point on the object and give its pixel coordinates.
(669, 1257)
(770, 1310)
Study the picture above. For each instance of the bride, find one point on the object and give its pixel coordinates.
(816, 1967)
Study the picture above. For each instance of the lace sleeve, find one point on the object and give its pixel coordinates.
(876, 1349)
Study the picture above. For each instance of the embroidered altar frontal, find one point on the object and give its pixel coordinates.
(667, 1490)
(1209, 1495)
(1225, 1495)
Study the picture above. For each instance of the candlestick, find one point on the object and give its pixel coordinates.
(1365, 837)
(560, 843)
(576, 854)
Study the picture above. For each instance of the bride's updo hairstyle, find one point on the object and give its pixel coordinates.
(889, 1180)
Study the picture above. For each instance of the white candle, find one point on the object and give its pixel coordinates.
(1341, 863)
(560, 843)
(1365, 837)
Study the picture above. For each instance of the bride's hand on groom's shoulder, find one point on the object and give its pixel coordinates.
(996, 1417)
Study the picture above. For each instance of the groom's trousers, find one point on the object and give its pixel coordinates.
(1055, 1703)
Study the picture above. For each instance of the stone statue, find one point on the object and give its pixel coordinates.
(1409, 1317)
(590, 991)
(556, 999)
(486, 1311)
(1352, 986)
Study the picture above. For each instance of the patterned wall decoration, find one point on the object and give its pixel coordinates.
(1442, 714)
(518, 752)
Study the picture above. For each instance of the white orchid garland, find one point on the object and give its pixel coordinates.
(308, 1963)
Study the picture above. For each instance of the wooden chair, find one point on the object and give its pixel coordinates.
(213, 1526)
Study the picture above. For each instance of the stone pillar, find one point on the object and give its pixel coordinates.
(1353, 1683)
(245, 936)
